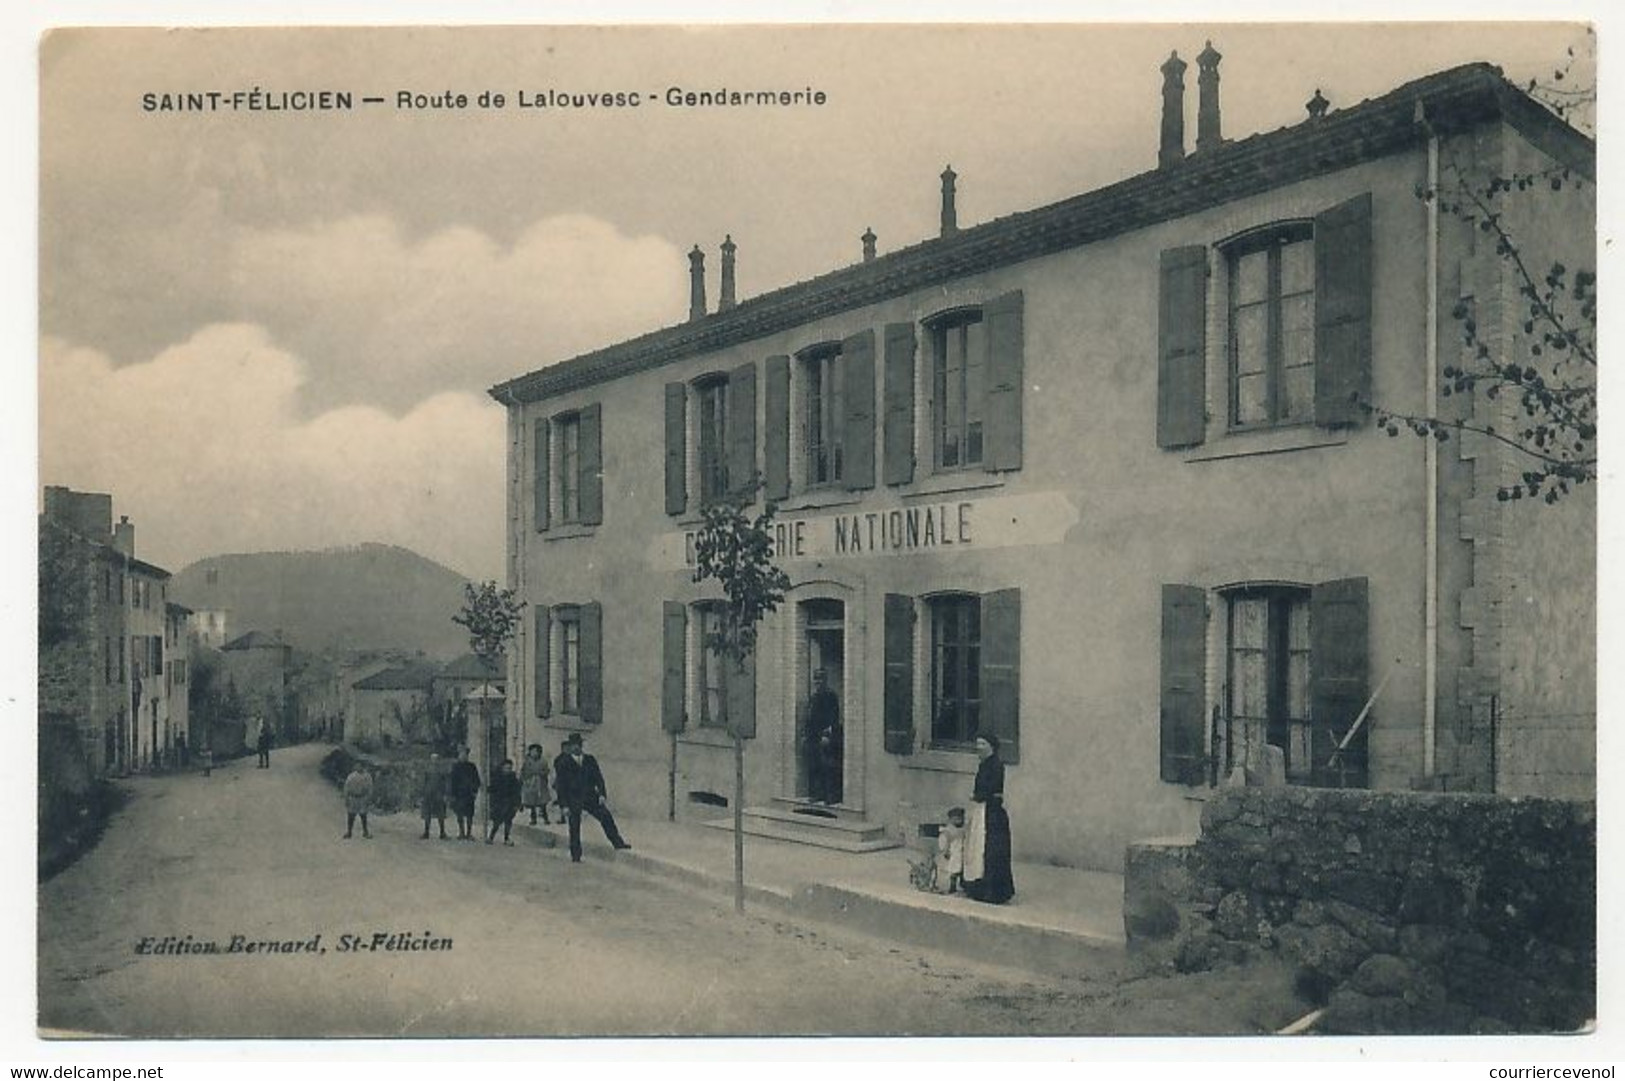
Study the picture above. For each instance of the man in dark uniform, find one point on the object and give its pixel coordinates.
(825, 743)
(580, 786)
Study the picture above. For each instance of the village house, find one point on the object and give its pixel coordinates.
(257, 664)
(1095, 478)
(390, 706)
(112, 675)
(208, 627)
(467, 673)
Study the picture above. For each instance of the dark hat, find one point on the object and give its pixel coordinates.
(573, 739)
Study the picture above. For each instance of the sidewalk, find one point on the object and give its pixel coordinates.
(1061, 920)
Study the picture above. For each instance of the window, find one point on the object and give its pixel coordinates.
(711, 683)
(569, 467)
(824, 422)
(121, 588)
(712, 438)
(107, 584)
(959, 390)
(107, 660)
(569, 620)
(179, 669)
(1272, 328)
(956, 668)
(1268, 677)
(121, 669)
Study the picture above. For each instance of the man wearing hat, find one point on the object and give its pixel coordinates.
(580, 786)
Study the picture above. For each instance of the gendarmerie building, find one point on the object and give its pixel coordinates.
(1094, 478)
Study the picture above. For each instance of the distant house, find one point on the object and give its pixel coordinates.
(391, 705)
(208, 627)
(177, 672)
(257, 664)
(468, 673)
(107, 639)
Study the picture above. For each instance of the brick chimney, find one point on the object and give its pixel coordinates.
(124, 536)
(868, 239)
(1207, 99)
(950, 220)
(696, 284)
(725, 300)
(1172, 151)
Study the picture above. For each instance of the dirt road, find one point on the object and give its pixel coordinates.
(492, 941)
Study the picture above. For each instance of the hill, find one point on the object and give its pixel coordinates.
(372, 596)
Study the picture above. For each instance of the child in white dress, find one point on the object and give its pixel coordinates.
(951, 851)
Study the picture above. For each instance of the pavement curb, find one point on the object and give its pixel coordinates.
(970, 933)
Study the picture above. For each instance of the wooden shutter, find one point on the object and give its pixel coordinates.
(1343, 312)
(739, 683)
(1001, 670)
(898, 378)
(590, 463)
(1182, 348)
(1184, 669)
(776, 437)
(540, 465)
(674, 666)
(741, 434)
(542, 670)
(676, 448)
(592, 662)
(858, 388)
(1002, 322)
(1339, 661)
(899, 662)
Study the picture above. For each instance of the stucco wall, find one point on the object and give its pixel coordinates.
(1298, 505)
(1547, 718)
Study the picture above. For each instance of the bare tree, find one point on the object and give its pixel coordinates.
(1552, 376)
(736, 551)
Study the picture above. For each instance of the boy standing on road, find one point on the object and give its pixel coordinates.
(464, 786)
(357, 800)
(432, 796)
(504, 794)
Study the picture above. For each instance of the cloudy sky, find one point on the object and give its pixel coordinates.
(275, 330)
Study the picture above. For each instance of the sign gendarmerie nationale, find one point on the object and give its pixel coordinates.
(932, 527)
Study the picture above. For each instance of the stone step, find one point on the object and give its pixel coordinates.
(842, 835)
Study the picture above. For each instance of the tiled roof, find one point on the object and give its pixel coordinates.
(404, 678)
(148, 568)
(469, 666)
(255, 640)
(1372, 129)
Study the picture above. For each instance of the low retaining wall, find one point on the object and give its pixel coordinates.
(1407, 912)
(396, 783)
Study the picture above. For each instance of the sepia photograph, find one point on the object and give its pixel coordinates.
(985, 530)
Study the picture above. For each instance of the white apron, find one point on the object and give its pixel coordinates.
(975, 841)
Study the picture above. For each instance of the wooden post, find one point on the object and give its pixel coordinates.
(739, 824)
(671, 785)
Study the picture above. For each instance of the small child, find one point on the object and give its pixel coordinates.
(357, 799)
(951, 851)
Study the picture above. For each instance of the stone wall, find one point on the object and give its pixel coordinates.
(1407, 912)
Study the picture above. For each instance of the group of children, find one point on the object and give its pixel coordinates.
(457, 786)
(943, 871)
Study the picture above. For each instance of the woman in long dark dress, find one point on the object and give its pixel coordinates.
(987, 841)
